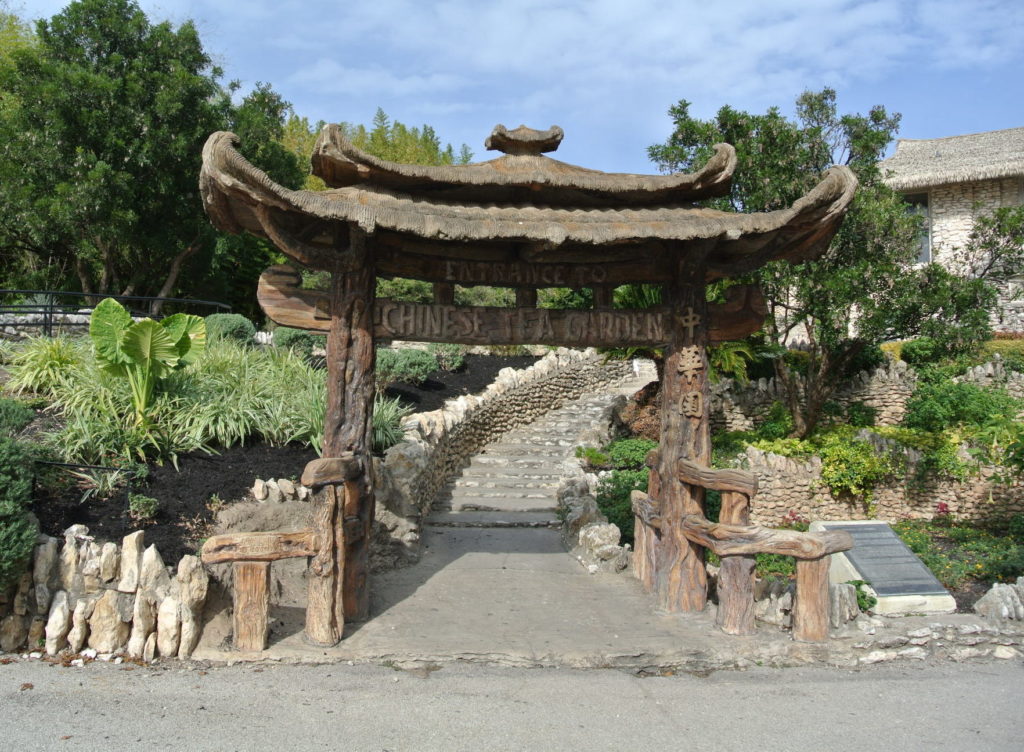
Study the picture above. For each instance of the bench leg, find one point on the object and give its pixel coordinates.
(810, 613)
(252, 604)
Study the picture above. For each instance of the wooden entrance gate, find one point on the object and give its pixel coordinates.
(527, 222)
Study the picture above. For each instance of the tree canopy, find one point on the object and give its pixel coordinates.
(101, 151)
(864, 289)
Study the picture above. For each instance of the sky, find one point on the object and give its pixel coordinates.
(608, 70)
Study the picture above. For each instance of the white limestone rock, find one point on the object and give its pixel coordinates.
(143, 624)
(1002, 603)
(168, 627)
(286, 487)
(109, 624)
(259, 490)
(110, 558)
(58, 624)
(131, 562)
(842, 605)
(80, 623)
(149, 651)
(273, 492)
(192, 587)
(154, 579)
(45, 570)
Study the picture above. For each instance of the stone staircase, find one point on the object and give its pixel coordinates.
(513, 482)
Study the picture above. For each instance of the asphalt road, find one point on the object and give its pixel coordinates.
(472, 707)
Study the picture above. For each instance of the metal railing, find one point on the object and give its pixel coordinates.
(56, 307)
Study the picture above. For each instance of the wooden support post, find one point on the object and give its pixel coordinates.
(444, 293)
(736, 575)
(338, 573)
(602, 296)
(810, 611)
(526, 297)
(251, 604)
(680, 578)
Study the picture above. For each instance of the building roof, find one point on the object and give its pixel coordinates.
(922, 163)
(520, 207)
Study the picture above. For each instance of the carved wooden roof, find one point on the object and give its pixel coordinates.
(521, 207)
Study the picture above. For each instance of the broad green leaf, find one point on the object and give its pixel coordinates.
(188, 332)
(149, 347)
(106, 328)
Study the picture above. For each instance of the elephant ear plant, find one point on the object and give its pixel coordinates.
(145, 351)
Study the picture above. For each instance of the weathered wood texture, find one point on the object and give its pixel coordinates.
(338, 572)
(736, 573)
(738, 481)
(680, 579)
(810, 611)
(325, 470)
(730, 540)
(251, 604)
(258, 547)
(283, 300)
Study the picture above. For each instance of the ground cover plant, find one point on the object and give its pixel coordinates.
(966, 557)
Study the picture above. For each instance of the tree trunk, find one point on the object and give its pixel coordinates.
(172, 275)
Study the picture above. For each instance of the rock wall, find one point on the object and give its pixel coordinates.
(104, 601)
(437, 444)
(953, 208)
(787, 486)
(887, 389)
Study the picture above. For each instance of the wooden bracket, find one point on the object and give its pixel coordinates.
(331, 471)
(646, 509)
(739, 481)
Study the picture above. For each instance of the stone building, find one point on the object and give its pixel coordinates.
(952, 181)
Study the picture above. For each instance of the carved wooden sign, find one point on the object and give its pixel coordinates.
(281, 296)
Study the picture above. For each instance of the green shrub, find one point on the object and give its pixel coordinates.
(297, 340)
(860, 415)
(921, 351)
(405, 290)
(18, 530)
(408, 365)
(230, 326)
(629, 454)
(613, 498)
(14, 416)
(777, 423)
(142, 507)
(945, 404)
(1011, 351)
(851, 465)
(865, 601)
(593, 458)
(449, 357)
(867, 359)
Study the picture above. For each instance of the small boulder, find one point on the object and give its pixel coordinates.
(58, 624)
(131, 562)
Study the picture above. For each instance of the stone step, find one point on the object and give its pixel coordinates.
(513, 463)
(503, 505)
(498, 492)
(492, 473)
(510, 482)
(492, 519)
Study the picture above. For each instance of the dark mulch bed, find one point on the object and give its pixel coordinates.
(184, 493)
(476, 374)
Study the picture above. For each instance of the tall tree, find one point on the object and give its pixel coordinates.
(98, 162)
(863, 289)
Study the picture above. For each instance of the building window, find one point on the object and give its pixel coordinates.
(918, 204)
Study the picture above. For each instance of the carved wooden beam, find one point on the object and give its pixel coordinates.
(741, 314)
(284, 301)
(731, 540)
(739, 481)
(331, 471)
(258, 547)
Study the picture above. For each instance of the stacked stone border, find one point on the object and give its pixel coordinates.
(104, 601)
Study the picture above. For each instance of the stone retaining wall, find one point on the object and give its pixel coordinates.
(104, 601)
(786, 485)
(438, 444)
